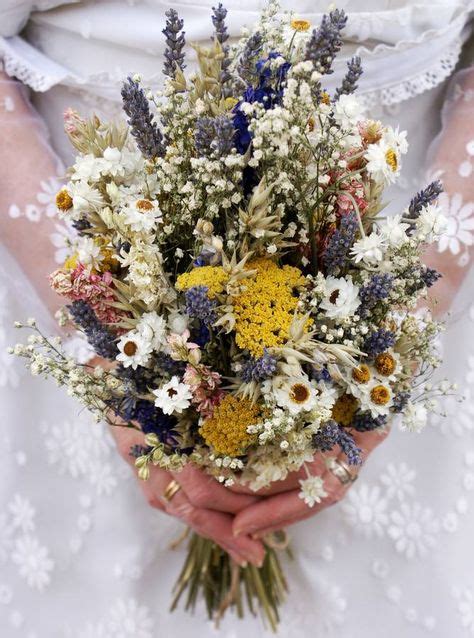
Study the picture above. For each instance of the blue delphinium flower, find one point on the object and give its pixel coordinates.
(379, 341)
(98, 335)
(259, 369)
(174, 52)
(199, 306)
(340, 243)
(142, 125)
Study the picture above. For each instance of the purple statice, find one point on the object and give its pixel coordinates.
(339, 244)
(199, 306)
(376, 289)
(327, 437)
(153, 421)
(365, 422)
(259, 369)
(246, 67)
(214, 136)
(219, 14)
(142, 125)
(429, 276)
(174, 52)
(400, 400)
(326, 41)
(426, 196)
(379, 341)
(349, 447)
(349, 83)
(98, 335)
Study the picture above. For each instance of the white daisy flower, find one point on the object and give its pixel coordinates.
(135, 349)
(142, 215)
(393, 230)
(312, 490)
(84, 197)
(387, 366)
(341, 297)
(88, 252)
(375, 397)
(383, 162)
(396, 139)
(296, 394)
(415, 417)
(369, 249)
(174, 396)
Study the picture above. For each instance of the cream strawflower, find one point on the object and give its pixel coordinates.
(341, 297)
(135, 350)
(369, 249)
(415, 417)
(312, 490)
(348, 111)
(393, 230)
(174, 396)
(152, 327)
(431, 223)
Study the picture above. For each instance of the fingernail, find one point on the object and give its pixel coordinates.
(237, 532)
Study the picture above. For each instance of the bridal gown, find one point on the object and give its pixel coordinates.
(81, 554)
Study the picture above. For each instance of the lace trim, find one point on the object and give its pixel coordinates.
(417, 84)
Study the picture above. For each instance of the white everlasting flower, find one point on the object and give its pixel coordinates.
(348, 111)
(134, 349)
(88, 252)
(376, 397)
(431, 223)
(312, 490)
(369, 249)
(84, 197)
(174, 396)
(152, 327)
(396, 139)
(142, 215)
(178, 323)
(87, 167)
(341, 297)
(296, 394)
(393, 230)
(415, 417)
(383, 162)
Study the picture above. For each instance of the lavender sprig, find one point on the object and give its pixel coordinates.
(349, 83)
(326, 41)
(98, 335)
(199, 306)
(259, 369)
(426, 196)
(246, 67)
(174, 53)
(332, 434)
(340, 243)
(142, 125)
(214, 136)
(378, 342)
(219, 14)
(376, 289)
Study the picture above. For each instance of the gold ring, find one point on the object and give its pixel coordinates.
(341, 471)
(171, 489)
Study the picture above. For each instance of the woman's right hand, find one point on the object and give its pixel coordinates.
(202, 503)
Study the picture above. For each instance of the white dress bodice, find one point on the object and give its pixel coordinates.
(81, 555)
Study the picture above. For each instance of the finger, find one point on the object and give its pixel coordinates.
(368, 441)
(216, 526)
(283, 509)
(204, 491)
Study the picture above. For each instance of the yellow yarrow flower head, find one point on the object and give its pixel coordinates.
(226, 431)
(344, 409)
(265, 309)
(300, 25)
(213, 277)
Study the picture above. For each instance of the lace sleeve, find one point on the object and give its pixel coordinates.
(31, 175)
(453, 162)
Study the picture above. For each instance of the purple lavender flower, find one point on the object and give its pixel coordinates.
(214, 136)
(247, 64)
(349, 447)
(219, 14)
(423, 198)
(376, 289)
(320, 374)
(259, 369)
(327, 437)
(174, 53)
(349, 83)
(153, 421)
(400, 400)
(98, 335)
(430, 276)
(339, 244)
(143, 127)
(199, 306)
(379, 341)
(326, 41)
(365, 422)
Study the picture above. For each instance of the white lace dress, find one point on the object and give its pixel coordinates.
(81, 554)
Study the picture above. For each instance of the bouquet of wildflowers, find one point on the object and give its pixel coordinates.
(232, 262)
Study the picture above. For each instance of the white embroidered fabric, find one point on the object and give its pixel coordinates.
(81, 554)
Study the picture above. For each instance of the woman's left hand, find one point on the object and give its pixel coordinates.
(283, 506)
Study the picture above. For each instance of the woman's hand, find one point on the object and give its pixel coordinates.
(283, 506)
(202, 503)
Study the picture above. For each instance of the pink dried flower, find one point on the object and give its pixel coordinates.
(205, 388)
